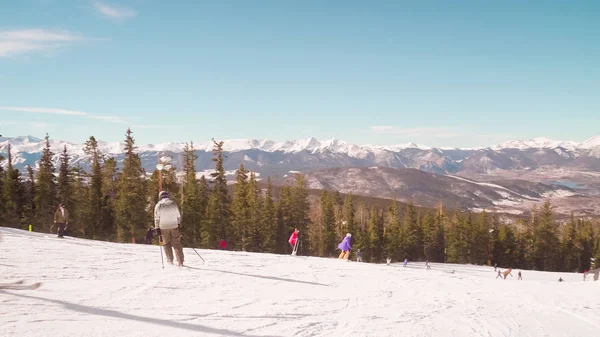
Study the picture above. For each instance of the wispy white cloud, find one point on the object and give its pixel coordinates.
(438, 132)
(53, 111)
(44, 110)
(76, 113)
(114, 12)
(20, 41)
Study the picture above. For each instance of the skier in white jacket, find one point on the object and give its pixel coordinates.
(168, 219)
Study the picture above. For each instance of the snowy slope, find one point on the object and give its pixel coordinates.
(95, 288)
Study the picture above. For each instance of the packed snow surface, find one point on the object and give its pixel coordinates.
(93, 288)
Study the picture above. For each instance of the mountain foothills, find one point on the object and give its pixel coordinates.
(110, 189)
(509, 177)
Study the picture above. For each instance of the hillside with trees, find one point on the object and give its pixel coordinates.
(109, 204)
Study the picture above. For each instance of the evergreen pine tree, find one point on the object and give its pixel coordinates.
(131, 215)
(376, 235)
(411, 235)
(570, 250)
(480, 242)
(457, 242)
(190, 222)
(546, 240)
(240, 209)
(284, 220)
(2, 197)
(45, 197)
(110, 179)
(327, 238)
(13, 191)
(93, 221)
(203, 196)
(349, 216)
(219, 204)
(191, 209)
(28, 204)
(393, 234)
(80, 193)
(299, 212)
(64, 187)
(255, 203)
(269, 220)
(585, 245)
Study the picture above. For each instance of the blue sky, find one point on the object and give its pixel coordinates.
(440, 73)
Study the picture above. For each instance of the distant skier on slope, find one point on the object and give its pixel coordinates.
(508, 272)
(168, 219)
(345, 247)
(61, 219)
(293, 240)
(358, 256)
(405, 262)
(427, 265)
(520, 276)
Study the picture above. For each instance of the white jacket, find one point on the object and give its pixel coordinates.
(166, 214)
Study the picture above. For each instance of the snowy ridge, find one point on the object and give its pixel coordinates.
(123, 291)
(31, 144)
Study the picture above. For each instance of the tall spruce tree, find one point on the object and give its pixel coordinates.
(411, 235)
(585, 245)
(327, 238)
(393, 234)
(131, 213)
(81, 196)
(29, 203)
(299, 212)
(240, 209)
(45, 196)
(255, 227)
(13, 191)
(2, 197)
(480, 242)
(546, 240)
(349, 216)
(93, 221)
(203, 196)
(269, 220)
(64, 187)
(433, 238)
(374, 241)
(219, 212)
(191, 211)
(456, 239)
(65, 190)
(285, 220)
(570, 250)
(110, 179)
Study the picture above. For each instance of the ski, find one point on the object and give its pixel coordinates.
(19, 286)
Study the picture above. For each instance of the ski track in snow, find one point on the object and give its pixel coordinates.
(93, 288)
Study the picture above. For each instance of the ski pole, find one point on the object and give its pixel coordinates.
(198, 254)
(161, 252)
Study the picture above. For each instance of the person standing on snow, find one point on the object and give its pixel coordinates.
(168, 219)
(520, 277)
(405, 262)
(358, 256)
(345, 247)
(427, 265)
(61, 219)
(293, 240)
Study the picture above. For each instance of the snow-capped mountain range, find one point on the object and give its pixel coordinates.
(516, 163)
(30, 144)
